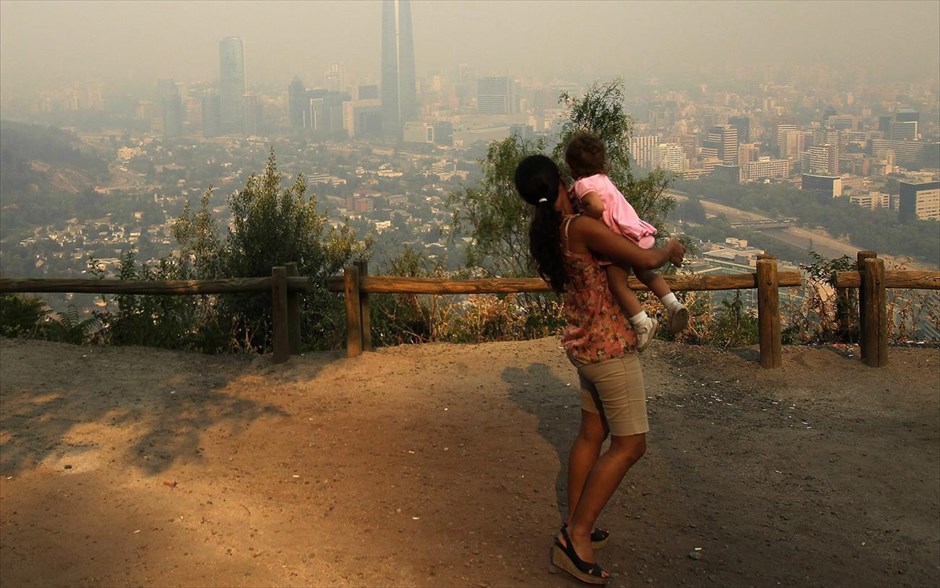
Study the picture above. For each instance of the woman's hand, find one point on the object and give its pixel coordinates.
(676, 252)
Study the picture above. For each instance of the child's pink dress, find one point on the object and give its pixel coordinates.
(619, 216)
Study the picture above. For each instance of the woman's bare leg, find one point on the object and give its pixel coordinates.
(583, 455)
(602, 481)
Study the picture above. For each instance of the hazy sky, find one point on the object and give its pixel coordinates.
(46, 43)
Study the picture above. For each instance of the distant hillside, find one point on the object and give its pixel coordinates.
(36, 158)
(45, 173)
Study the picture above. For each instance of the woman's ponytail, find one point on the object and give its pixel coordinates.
(537, 179)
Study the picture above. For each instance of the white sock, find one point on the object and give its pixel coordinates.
(639, 319)
(671, 303)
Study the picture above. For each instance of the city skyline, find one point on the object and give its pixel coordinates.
(52, 42)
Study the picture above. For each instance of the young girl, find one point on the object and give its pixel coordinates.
(600, 344)
(598, 197)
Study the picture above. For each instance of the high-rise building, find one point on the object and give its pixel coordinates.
(748, 152)
(296, 102)
(790, 144)
(253, 113)
(919, 201)
(334, 80)
(780, 129)
(907, 115)
(722, 140)
(820, 159)
(231, 83)
(842, 122)
(641, 150)
(904, 130)
(871, 200)
(670, 157)
(494, 95)
(211, 114)
(765, 168)
(822, 184)
(399, 92)
(743, 124)
(170, 108)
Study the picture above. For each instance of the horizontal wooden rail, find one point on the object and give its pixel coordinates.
(398, 285)
(356, 285)
(908, 279)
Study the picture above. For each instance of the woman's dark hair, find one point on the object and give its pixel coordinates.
(537, 179)
(586, 155)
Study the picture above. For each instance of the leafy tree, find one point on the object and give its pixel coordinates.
(692, 210)
(600, 111)
(493, 216)
(270, 226)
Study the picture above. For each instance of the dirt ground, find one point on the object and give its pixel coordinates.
(443, 465)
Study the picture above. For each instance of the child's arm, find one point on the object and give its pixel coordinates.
(593, 205)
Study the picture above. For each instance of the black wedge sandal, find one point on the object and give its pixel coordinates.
(566, 558)
(599, 537)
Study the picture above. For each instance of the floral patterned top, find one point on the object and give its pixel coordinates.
(597, 328)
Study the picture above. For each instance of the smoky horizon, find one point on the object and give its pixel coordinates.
(48, 44)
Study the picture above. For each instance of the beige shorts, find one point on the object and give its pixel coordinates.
(614, 388)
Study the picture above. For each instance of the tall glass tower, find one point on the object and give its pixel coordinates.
(232, 83)
(399, 95)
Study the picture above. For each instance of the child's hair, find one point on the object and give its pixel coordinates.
(586, 155)
(537, 180)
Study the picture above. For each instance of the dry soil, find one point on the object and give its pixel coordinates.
(443, 465)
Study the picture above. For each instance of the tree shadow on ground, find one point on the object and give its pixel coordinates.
(556, 404)
(161, 402)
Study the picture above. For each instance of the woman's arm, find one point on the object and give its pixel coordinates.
(588, 234)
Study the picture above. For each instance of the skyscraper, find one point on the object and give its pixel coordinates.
(743, 124)
(399, 95)
(494, 95)
(170, 107)
(211, 114)
(297, 103)
(232, 83)
(723, 139)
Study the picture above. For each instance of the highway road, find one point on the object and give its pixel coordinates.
(822, 243)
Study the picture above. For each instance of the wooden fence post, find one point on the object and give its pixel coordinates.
(279, 313)
(768, 312)
(363, 266)
(860, 266)
(844, 304)
(875, 313)
(353, 312)
(293, 313)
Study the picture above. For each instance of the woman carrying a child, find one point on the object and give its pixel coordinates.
(600, 343)
(595, 195)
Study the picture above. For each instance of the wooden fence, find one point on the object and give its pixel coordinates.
(356, 284)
